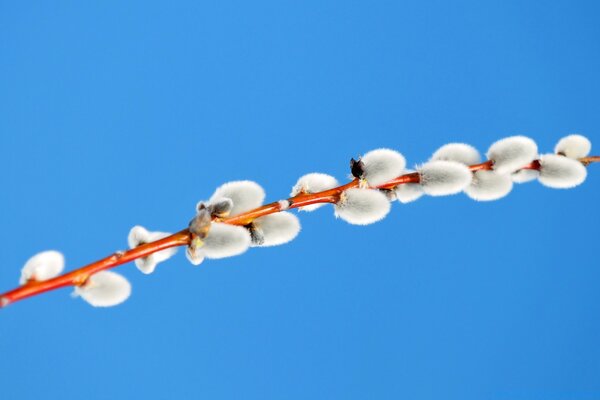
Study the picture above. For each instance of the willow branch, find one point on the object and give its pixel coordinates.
(79, 276)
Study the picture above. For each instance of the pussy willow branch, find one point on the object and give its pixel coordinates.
(183, 238)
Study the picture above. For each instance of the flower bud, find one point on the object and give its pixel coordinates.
(561, 172)
(442, 178)
(139, 235)
(42, 266)
(246, 195)
(512, 153)
(362, 206)
(573, 146)
(459, 152)
(381, 166)
(225, 240)
(489, 185)
(275, 229)
(104, 289)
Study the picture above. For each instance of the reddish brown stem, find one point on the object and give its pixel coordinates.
(79, 276)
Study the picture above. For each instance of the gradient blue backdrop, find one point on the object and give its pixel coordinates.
(117, 114)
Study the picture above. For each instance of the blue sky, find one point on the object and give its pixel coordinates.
(120, 114)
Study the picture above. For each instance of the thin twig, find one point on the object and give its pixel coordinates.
(79, 276)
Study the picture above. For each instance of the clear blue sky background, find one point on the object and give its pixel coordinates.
(118, 114)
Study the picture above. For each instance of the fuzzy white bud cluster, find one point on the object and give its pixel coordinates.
(103, 289)
(42, 266)
(561, 172)
(381, 177)
(275, 229)
(446, 173)
(139, 235)
(224, 240)
(362, 206)
(244, 196)
(459, 152)
(489, 185)
(381, 166)
(511, 158)
(573, 146)
(443, 178)
(512, 153)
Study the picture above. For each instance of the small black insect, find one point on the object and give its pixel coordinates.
(357, 167)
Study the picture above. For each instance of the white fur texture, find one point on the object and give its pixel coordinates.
(574, 146)
(105, 289)
(246, 195)
(225, 240)
(512, 153)
(561, 172)
(362, 206)
(382, 165)
(276, 229)
(408, 192)
(459, 152)
(42, 266)
(139, 235)
(489, 185)
(313, 183)
(442, 178)
(525, 175)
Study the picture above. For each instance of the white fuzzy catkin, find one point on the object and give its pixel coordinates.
(408, 192)
(459, 152)
(225, 240)
(442, 178)
(313, 183)
(512, 153)
(489, 185)
(246, 195)
(362, 206)
(276, 229)
(105, 289)
(139, 235)
(574, 146)
(525, 175)
(561, 172)
(382, 165)
(42, 266)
